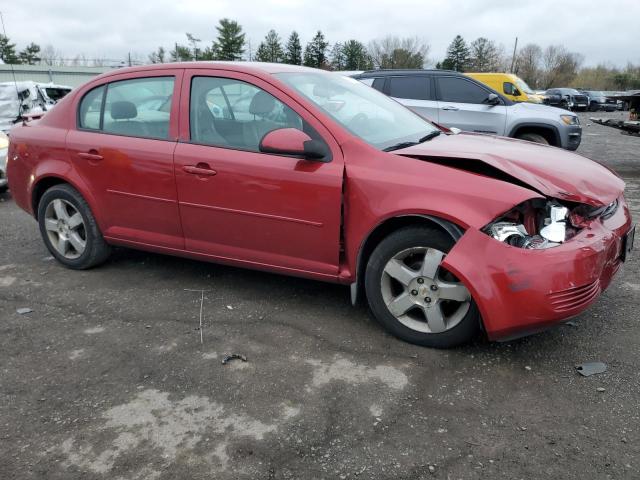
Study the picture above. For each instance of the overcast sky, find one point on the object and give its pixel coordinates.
(601, 31)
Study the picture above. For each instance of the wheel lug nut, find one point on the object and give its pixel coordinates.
(414, 292)
(434, 288)
(421, 280)
(427, 299)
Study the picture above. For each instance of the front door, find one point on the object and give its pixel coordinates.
(463, 104)
(123, 149)
(249, 207)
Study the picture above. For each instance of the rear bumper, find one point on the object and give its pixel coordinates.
(524, 291)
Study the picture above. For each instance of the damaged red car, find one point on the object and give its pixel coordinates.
(302, 172)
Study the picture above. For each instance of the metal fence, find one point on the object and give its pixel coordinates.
(70, 76)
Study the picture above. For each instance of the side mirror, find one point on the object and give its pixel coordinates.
(493, 99)
(294, 142)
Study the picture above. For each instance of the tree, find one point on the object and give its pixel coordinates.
(30, 55)
(293, 50)
(528, 64)
(560, 66)
(393, 52)
(270, 50)
(7, 50)
(315, 53)
(181, 54)
(485, 56)
(230, 42)
(356, 56)
(159, 56)
(193, 41)
(457, 55)
(50, 56)
(336, 56)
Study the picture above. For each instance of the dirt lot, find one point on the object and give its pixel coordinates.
(107, 378)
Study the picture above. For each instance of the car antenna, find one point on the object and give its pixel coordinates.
(13, 72)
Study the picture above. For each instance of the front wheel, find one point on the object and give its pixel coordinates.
(69, 229)
(533, 137)
(414, 296)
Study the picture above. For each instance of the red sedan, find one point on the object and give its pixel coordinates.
(303, 172)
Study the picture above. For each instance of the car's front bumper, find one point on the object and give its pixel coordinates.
(573, 137)
(524, 291)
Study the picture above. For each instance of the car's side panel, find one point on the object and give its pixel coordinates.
(261, 208)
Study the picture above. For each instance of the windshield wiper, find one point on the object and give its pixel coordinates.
(400, 145)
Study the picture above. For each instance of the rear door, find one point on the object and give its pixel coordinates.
(252, 207)
(463, 104)
(415, 92)
(122, 147)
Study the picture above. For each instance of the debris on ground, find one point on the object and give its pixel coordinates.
(233, 356)
(591, 368)
(23, 311)
(600, 389)
(571, 323)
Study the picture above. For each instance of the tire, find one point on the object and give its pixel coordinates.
(82, 243)
(533, 137)
(414, 326)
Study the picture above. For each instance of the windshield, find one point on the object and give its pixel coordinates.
(365, 112)
(523, 87)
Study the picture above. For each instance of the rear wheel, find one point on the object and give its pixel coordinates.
(533, 137)
(414, 296)
(69, 229)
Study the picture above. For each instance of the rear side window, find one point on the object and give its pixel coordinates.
(414, 87)
(378, 84)
(134, 108)
(90, 108)
(459, 90)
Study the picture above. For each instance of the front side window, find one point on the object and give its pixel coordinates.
(366, 113)
(508, 88)
(459, 90)
(139, 108)
(414, 87)
(230, 113)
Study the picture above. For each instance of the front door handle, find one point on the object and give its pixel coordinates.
(451, 108)
(90, 155)
(201, 169)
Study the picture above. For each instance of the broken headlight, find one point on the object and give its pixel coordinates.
(535, 224)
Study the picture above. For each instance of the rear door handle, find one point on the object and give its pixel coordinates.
(199, 170)
(90, 155)
(451, 107)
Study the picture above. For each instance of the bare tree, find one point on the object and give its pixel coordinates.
(528, 63)
(50, 56)
(486, 56)
(395, 52)
(560, 66)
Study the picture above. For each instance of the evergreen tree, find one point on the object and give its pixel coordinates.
(270, 50)
(337, 57)
(159, 56)
(293, 50)
(457, 55)
(356, 56)
(181, 54)
(230, 42)
(7, 50)
(31, 54)
(315, 53)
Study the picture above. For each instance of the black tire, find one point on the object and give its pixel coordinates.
(402, 239)
(533, 137)
(96, 250)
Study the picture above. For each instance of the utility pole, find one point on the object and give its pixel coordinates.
(129, 57)
(513, 59)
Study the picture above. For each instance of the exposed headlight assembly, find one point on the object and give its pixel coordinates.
(535, 224)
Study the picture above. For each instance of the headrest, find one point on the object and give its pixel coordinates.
(123, 110)
(262, 103)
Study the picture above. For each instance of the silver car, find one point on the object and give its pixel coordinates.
(4, 148)
(454, 100)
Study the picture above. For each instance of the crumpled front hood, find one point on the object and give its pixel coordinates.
(549, 170)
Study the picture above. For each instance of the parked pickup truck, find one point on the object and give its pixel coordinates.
(567, 98)
(452, 99)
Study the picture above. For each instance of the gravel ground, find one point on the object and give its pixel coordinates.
(107, 378)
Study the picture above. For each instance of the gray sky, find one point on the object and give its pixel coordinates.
(601, 31)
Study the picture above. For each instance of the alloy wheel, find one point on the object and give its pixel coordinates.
(65, 228)
(421, 294)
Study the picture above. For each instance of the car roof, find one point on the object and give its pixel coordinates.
(254, 68)
(415, 71)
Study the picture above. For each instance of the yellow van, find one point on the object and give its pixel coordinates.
(508, 84)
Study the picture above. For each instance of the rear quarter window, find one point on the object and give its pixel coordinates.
(90, 108)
